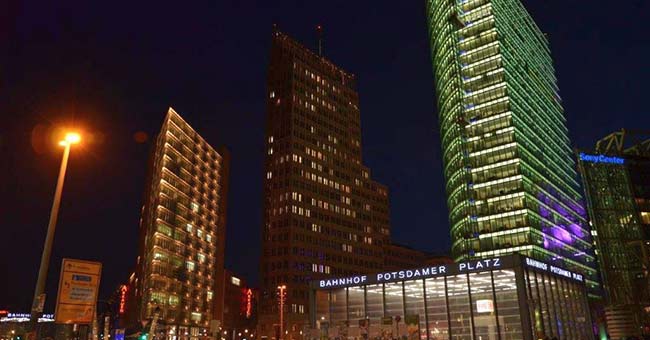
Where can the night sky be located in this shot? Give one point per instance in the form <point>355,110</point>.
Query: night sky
<point>112,69</point>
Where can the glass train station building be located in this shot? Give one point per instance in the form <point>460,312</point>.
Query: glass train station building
<point>510,297</point>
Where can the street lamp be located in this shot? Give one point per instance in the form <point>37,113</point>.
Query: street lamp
<point>282,293</point>
<point>39,299</point>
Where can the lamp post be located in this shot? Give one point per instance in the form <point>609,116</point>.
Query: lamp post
<point>37,306</point>
<point>282,293</point>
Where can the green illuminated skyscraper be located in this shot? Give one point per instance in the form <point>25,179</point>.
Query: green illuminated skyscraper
<point>510,176</point>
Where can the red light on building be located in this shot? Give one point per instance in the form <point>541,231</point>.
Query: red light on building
<point>249,303</point>
<point>123,290</point>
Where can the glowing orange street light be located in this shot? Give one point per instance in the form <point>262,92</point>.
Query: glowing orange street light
<point>70,138</point>
<point>282,293</point>
<point>39,297</point>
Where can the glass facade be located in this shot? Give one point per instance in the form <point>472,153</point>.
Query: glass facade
<point>616,183</point>
<point>616,224</point>
<point>516,301</point>
<point>510,176</point>
<point>557,307</point>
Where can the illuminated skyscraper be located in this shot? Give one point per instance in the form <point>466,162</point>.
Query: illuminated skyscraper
<point>617,182</point>
<point>511,180</point>
<point>323,214</point>
<point>180,267</point>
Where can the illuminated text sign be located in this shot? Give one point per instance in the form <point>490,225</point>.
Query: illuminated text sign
<point>123,290</point>
<point>342,282</point>
<point>411,274</point>
<point>601,159</point>
<point>249,303</point>
<point>553,269</point>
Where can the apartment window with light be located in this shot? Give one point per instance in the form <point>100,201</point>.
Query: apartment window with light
<point>196,316</point>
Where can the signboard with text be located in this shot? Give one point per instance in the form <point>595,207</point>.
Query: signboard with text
<point>413,274</point>
<point>443,270</point>
<point>553,269</point>
<point>78,289</point>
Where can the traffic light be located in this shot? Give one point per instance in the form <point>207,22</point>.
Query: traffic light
<point>143,336</point>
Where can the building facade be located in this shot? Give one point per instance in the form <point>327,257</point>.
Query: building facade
<point>323,214</point>
<point>398,256</point>
<point>179,273</point>
<point>511,181</point>
<point>510,297</point>
<point>617,184</point>
<point>240,308</point>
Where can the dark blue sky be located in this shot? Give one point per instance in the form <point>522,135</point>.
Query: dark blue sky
<point>114,68</point>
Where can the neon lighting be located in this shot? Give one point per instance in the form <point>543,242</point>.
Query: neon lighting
<point>498,181</point>
<point>601,159</point>
<point>249,303</point>
<point>123,290</point>
<point>504,232</point>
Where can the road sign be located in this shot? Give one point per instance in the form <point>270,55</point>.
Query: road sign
<point>78,289</point>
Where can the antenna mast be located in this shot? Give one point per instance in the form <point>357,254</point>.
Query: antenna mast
<point>319,32</point>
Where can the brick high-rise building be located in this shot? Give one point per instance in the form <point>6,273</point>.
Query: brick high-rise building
<point>180,265</point>
<point>323,214</point>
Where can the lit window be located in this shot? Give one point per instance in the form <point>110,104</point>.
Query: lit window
<point>209,295</point>
<point>208,238</point>
<point>272,94</point>
<point>645,217</point>
<point>190,265</point>
<point>189,228</point>
<point>173,300</point>
<point>199,233</point>
<point>196,316</point>
<point>236,281</point>
<point>201,258</point>
<point>194,206</point>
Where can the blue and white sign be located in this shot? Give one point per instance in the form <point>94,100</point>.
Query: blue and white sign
<point>553,269</point>
<point>601,159</point>
<point>411,274</point>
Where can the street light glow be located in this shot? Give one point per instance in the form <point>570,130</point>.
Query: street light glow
<point>70,138</point>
